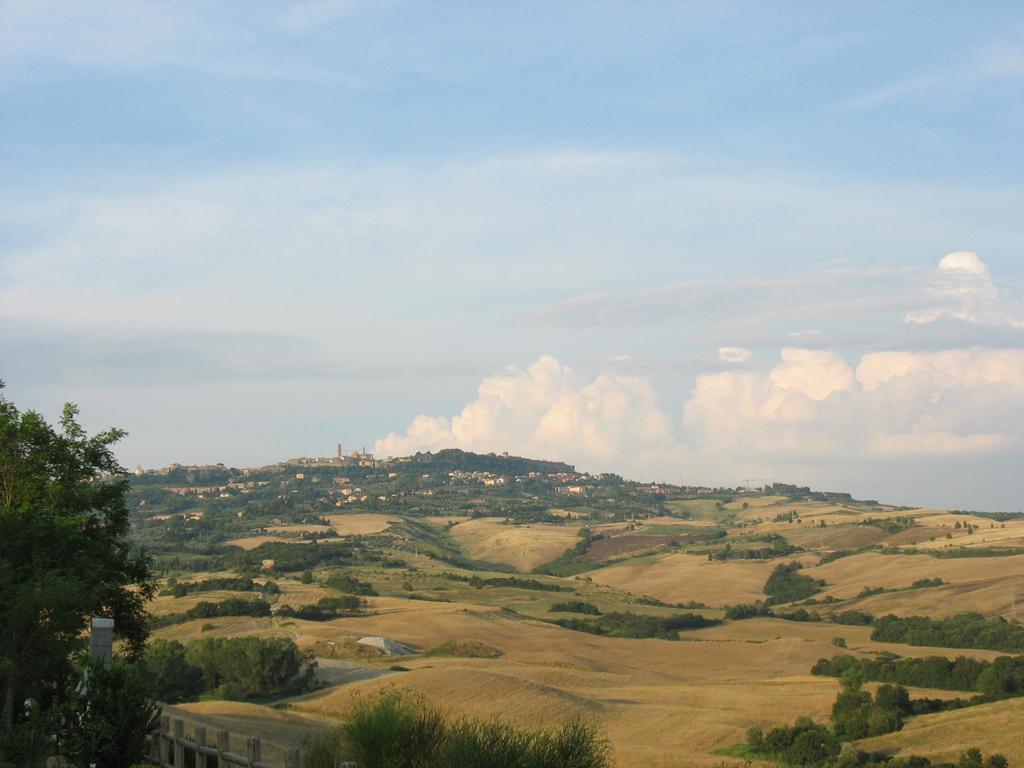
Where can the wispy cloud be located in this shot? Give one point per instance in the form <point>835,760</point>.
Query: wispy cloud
<point>992,64</point>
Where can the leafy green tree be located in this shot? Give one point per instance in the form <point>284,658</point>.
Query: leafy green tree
<point>169,675</point>
<point>64,554</point>
<point>109,716</point>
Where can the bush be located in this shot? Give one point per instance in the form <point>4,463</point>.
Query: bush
<point>325,609</point>
<point>350,585</point>
<point>110,716</point>
<point>748,611</point>
<point>168,674</point>
<point>966,630</point>
<point>634,625</point>
<point>233,606</point>
<point>397,730</point>
<point>251,667</point>
<point>1000,678</point>
<point>786,584</point>
<point>576,606</point>
<point>392,730</point>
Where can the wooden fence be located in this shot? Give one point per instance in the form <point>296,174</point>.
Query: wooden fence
<point>168,748</point>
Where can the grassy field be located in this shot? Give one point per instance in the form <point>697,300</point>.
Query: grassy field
<point>662,703</point>
<point>680,578</point>
<point>943,736</point>
<point>522,547</point>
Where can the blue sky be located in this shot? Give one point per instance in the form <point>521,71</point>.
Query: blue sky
<point>676,240</point>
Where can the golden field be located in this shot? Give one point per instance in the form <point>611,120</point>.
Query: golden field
<point>661,703</point>
<point>523,547</point>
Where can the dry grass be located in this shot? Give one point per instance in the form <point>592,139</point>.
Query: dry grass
<point>444,520</point>
<point>662,703</point>
<point>523,547</point>
<point>680,578</point>
<point>277,730</point>
<point>943,736</point>
<point>298,528</point>
<point>360,524</point>
<point>251,542</point>
<point>984,584</point>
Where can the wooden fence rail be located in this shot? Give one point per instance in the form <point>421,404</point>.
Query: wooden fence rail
<point>169,745</point>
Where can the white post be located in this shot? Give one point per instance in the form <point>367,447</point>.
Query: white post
<point>101,641</point>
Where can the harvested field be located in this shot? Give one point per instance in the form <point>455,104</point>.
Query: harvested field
<point>943,736</point>
<point>523,547</point>
<point>360,524</point>
<point>680,578</point>
<point>618,546</point>
<point>251,542</point>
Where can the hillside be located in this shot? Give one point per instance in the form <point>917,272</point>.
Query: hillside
<point>539,593</point>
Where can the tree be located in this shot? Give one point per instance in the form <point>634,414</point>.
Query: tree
<point>168,673</point>
<point>109,716</point>
<point>64,554</point>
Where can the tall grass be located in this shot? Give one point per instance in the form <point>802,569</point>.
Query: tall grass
<point>394,729</point>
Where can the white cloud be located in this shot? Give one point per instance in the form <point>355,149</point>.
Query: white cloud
<point>547,411</point>
<point>813,405</point>
<point>734,354</point>
<point>962,288</point>
<point>810,417</point>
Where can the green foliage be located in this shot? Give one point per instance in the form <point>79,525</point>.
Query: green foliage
<point>516,583</point>
<point>853,618</point>
<point>966,630</point>
<point>289,558</point>
<point>64,553</point>
<point>999,678</point>
<point>576,606</point>
<point>464,649</point>
<point>786,584</point>
<point>326,608</point>
<point>344,582</point>
<point>856,716</point>
<point>925,583</point>
<point>232,583</point>
<point>232,606</point>
<point>168,673</point>
<point>574,559</point>
<point>805,744</point>
<point>251,667</point>
<point>109,716</point>
<point>634,625</point>
<point>394,729</point>
<point>748,611</point>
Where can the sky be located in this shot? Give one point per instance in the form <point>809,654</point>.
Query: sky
<point>701,243</point>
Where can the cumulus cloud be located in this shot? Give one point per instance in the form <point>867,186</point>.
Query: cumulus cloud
<point>813,404</point>
<point>962,288</point>
<point>808,416</point>
<point>734,354</point>
<point>546,410</point>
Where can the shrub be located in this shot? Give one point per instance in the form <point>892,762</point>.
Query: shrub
<point>110,716</point>
<point>249,667</point>
<point>966,630</point>
<point>576,606</point>
<point>634,625</point>
<point>786,584</point>
<point>325,609</point>
<point>169,675</point>
<point>394,729</point>
<point>350,585</point>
